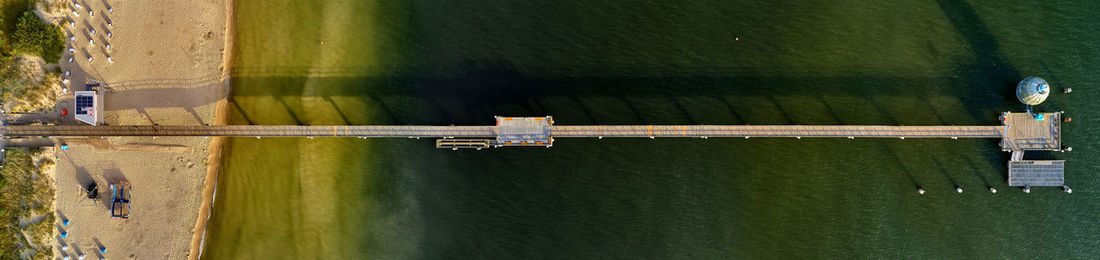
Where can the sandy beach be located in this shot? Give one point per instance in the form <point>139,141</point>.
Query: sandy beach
<point>167,67</point>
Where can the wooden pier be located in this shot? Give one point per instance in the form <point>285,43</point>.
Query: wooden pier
<point>1019,132</point>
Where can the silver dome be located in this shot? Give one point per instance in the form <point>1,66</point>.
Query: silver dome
<point>1032,90</point>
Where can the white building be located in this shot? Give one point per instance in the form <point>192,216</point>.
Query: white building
<point>87,107</point>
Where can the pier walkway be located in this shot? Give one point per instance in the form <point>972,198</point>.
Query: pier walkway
<point>489,131</point>
<point>1019,132</point>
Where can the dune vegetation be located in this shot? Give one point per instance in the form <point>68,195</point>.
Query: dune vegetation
<point>26,188</point>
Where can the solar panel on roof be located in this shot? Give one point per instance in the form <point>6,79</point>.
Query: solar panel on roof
<point>83,103</point>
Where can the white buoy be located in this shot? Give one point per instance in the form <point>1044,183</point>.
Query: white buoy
<point>1027,189</point>
<point>954,138</point>
<point>992,189</point>
<point>851,137</point>
<point>902,138</point>
<point>798,137</point>
<point>746,137</point>
<point>959,189</point>
<point>652,137</point>
<point>920,191</point>
<point>1067,189</point>
<point>599,137</point>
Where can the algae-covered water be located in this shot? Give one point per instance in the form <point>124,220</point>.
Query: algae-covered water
<point>653,62</point>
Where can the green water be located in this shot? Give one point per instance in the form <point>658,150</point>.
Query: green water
<point>653,62</point>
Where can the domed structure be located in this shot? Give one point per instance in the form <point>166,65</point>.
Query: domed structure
<point>1032,91</point>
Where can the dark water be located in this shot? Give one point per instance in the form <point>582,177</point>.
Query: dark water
<point>653,62</point>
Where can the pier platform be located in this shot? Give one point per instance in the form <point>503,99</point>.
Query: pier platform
<point>1036,173</point>
<point>1032,131</point>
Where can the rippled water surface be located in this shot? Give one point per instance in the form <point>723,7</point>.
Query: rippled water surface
<point>653,62</point>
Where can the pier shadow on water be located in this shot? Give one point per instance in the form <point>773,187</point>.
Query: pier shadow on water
<point>664,198</point>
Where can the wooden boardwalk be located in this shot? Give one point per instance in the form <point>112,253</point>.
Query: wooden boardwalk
<point>853,131</point>
<point>557,131</point>
<point>251,130</point>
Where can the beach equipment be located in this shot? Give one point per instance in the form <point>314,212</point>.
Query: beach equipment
<point>120,200</point>
<point>92,190</point>
<point>92,31</point>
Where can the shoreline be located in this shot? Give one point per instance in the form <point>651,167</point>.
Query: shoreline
<point>214,149</point>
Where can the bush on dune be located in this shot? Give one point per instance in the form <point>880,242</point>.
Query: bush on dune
<point>35,37</point>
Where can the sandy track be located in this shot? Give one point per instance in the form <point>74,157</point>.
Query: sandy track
<point>167,69</point>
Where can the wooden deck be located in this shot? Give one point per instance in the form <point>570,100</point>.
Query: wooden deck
<point>1023,132</point>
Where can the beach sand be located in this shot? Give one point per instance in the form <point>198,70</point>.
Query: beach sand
<point>168,69</point>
